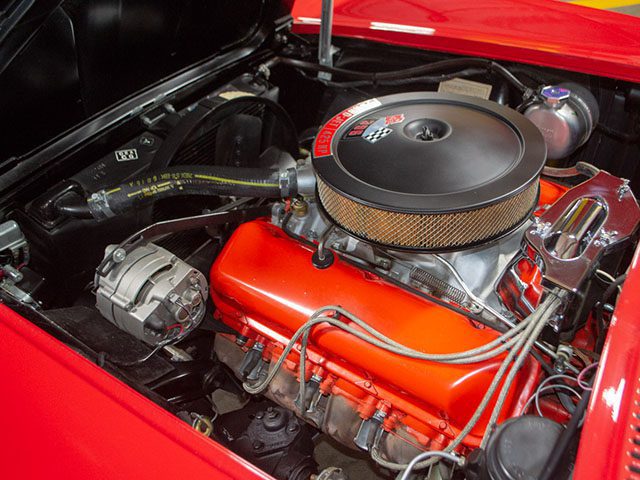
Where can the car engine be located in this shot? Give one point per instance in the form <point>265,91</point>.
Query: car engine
<point>421,271</point>
<point>389,222</point>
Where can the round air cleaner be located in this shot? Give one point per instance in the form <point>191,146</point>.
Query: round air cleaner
<point>428,171</point>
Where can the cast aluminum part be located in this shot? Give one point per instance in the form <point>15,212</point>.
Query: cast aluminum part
<point>566,117</point>
<point>467,277</point>
<point>149,291</point>
<point>305,178</point>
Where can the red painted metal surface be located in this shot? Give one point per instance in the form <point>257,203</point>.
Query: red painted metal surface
<point>266,287</point>
<point>539,32</point>
<point>550,192</point>
<point>64,417</point>
<point>611,436</point>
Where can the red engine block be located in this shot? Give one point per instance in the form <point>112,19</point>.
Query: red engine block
<point>265,287</point>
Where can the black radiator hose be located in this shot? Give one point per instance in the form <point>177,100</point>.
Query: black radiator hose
<point>183,180</point>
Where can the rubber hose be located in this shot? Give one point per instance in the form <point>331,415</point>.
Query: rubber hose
<point>75,207</point>
<point>566,440</point>
<point>608,293</point>
<point>434,67</point>
<point>469,72</point>
<point>185,180</point>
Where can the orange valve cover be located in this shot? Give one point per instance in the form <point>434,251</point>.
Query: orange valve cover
<point>265,287</point>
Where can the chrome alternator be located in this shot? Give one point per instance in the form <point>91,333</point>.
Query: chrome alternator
<point>151,294</point>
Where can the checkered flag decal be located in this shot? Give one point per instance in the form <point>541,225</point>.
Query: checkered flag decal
<point>379,134</point>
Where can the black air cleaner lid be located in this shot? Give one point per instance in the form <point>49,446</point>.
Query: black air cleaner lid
<point>428,153</point>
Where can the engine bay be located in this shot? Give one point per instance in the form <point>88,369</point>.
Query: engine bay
<point>357,271</point>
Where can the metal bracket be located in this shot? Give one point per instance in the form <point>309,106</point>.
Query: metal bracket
<point>178,225</point>
<point>590,220</point>
<point>324,45</point>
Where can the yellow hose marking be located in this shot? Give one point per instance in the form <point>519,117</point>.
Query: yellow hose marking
<point>236,182</point>
<point>151,190</point>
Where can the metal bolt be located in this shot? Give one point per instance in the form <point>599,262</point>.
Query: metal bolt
<point>292,428</point>
<point>559,366</point>
<point>367,384</point>
<point>272,415</point>
<point>565,352</point>
<point>257,445</point>
<point>147,141</point>
<point>475,308</point>
<point>606,238</point>
<point>118,255</point>
<point>442,425</point>
<point>426,134</point>
<point>259,415</point>
<point>623,189</point>
<point>383,263</point>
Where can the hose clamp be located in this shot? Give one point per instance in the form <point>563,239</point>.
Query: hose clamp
<point>287,182</point>
<point>99,205</point>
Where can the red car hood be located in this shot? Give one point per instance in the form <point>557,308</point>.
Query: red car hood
<point>541,32</point>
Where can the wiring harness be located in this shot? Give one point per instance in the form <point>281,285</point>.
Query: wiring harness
<point>518,341</point>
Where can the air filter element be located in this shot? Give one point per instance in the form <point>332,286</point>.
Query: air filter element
<point>428,171</point>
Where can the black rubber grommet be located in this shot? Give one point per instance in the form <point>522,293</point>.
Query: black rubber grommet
<point>324,262</point>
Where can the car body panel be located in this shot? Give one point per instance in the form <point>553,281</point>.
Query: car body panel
<point>610,446</point>
<point>540,32</point>
<point>64,417</point>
